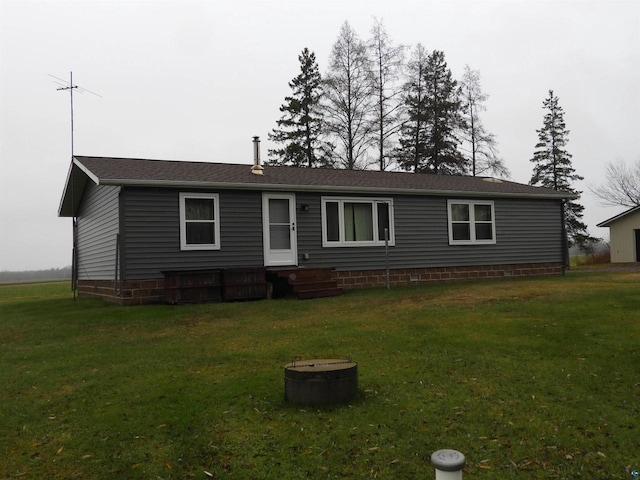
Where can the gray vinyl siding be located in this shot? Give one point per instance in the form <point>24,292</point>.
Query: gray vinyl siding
<point>527,231</point>
<point>97,233</point>
<point>151,233</point>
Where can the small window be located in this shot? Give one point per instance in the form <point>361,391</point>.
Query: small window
<point>356,222</point>
<point>199,221</point>
<point>471,222</point>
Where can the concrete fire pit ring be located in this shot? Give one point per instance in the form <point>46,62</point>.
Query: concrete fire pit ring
<point>321,381</point>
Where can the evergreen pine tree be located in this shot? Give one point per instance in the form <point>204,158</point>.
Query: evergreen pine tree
<point>299,128</point>
<point>444,109</point>
<point>553,169</point>
<point>428,142</point>
<point>411,154</point>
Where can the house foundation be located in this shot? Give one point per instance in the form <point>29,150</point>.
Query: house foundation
<point>131,292</point>
<point>141,292</point>
<point>413,276</point>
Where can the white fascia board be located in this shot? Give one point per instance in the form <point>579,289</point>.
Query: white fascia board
<point>609,221</point>
<point>68,182</point>
<point>86,171</point>
<point>64,190</point>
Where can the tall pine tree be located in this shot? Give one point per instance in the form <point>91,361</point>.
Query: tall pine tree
<point>299,128</point>
<point>444,118</point>
<point>428,141</point>
<point>553,169</point>
<point>411,154</point>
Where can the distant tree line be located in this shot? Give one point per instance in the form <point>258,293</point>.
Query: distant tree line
<point>36,275</point>
<point>374,110</point>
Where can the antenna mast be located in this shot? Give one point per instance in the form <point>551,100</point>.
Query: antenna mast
<point>74,259</point>
<point>70,87</point>
<point>64,85</point>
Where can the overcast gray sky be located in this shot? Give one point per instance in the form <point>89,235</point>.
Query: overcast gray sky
<point>195,80</point>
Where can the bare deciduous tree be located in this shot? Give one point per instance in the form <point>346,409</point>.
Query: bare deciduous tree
<point>386,64</point>
<point>348,99</point>
<point>621,186</point>
<point>480,146</point>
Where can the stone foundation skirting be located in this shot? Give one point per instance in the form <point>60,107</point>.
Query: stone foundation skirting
<point>131,292</point>
<point>141,292</point>
<point>411,276</point>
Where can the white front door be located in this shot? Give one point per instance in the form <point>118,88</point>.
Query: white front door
<point>279,229</point>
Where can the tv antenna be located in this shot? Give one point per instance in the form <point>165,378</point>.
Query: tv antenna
<point>70,87</point>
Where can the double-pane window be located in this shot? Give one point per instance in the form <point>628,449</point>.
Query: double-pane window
<point>471,222</point>
<point>199,221</point>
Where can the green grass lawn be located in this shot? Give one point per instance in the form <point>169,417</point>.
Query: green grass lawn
<point>535,379</point>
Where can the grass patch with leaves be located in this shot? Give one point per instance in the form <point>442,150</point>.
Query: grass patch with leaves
<point>529,379</point>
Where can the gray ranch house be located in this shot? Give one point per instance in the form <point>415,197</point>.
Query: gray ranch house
<point>150,231</point>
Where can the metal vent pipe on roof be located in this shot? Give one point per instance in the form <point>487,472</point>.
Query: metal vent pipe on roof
<point>256,169</point>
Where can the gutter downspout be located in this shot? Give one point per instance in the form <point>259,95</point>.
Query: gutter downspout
<point>121,246</point>
<point>116,280</point>
<point>74,254</point>
<point>565,239</point>
<point>74,235</point>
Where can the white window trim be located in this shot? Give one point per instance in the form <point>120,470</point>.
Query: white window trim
<point>367,243</point>
<point>183,231</point>
<point>472,222</point>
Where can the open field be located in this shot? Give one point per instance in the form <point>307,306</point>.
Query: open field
<point>535,379</point>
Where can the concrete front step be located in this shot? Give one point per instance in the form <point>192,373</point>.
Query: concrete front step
<point>325,292</point>
<point>305,275</point>
<point>313,285</point>
<point>309,282</point>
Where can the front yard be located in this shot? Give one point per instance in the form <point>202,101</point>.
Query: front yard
<point>531,379</point>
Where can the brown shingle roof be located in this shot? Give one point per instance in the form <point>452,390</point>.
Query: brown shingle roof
<point>129,171</point>
<point>137,171</point>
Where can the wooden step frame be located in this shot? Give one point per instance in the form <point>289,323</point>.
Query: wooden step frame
<point>306,283</point>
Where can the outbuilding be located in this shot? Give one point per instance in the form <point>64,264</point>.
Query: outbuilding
<point>144,228</point>
<point>624,236</point>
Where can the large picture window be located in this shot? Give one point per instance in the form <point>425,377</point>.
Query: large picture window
<point>199,221</point>
<point>356,221</point>
<point>471,222</point>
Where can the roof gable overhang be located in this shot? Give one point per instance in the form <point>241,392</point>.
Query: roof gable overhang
<point>620,216</point>
<point>74,186</point>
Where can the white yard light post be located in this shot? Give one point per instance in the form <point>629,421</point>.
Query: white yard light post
<point>448,464</point>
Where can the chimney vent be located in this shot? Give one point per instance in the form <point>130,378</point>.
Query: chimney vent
<point>256,169</point>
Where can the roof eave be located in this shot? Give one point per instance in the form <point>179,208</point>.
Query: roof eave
<point>64,191</point>
<point>609,221</point>
<point>86,171</point>
<point>328,188</point>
